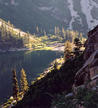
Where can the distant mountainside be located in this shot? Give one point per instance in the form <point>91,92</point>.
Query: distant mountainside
<point>12,39</point>
<point>80,15</point>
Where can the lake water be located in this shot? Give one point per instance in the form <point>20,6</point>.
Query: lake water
<point>33,63</point>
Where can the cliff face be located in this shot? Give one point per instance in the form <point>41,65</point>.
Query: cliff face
<point>91,44</point>
<point>89,71</point>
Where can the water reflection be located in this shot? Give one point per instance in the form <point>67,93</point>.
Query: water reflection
<point>32,62</point>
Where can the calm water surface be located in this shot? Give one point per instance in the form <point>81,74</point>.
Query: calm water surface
<point>33,63</point>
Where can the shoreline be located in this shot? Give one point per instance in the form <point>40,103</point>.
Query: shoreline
<point>16,49</point>
<point>55,47</point>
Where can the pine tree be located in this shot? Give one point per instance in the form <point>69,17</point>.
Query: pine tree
<point>2,31</point>
<point>19,34</point>
<point>23,81</point>
<point>78,45</point>
<point>55,30</point>
<point>67,50</point>
<point>45,33</point>
<point>63,31</point>
<point>28,36</point>
<point>9,24</point>
<point>58,30</point>
<point>55,65</point>
<point>15,85</point>
<point>37,29</point>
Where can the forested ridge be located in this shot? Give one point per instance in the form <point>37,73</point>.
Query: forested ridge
<point>11,37</point>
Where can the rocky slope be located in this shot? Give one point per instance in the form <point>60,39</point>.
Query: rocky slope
<point>79,15</point>
<point>89,71</point>
<point>85,88</point>
<point>48,85</point>
<point>42,92</point>
<point>87,76</point>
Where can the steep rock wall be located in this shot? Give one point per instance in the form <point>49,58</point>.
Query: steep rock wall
<point>89,71</point>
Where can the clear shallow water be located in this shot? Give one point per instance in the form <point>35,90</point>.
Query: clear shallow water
<point>33,63</point>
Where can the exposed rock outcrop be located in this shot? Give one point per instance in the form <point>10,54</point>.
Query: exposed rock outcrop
<point>89,72</point>
<point>91,44</point>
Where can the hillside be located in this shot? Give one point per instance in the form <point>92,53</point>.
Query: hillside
<point>84,92</point>
<point>71,14</point>
<point>12,38</point>
<point>61,80</point>
<point>43,90</point>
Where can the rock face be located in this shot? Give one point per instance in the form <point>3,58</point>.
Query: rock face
<point>89,71</point>
<point>91,44</point>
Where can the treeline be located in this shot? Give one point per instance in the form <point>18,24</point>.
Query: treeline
<point>68,34</point>
<point>8,39</point>
<point>61,35</point>
<point>62,32</point>
<point>11,37</point>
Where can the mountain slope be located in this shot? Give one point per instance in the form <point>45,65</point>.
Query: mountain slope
<point>12,38</point>
<point>43,90</point>
<point>69,76</point>
<point>72,14</point>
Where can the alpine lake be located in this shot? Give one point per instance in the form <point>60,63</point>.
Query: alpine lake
<point>33,62</point>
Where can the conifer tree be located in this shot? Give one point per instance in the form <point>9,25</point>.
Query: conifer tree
<point>19,34</point>
<point>28,36</point>
<point>9,23</point>
<point>58,30</point>
<point>23,81</point>
<point>37,29</point>
<point>78,45</point>
<point>63,30</point>
<point>55,65</point>
<point>55,30</point>
<point>2,31</point>
<point>15,85</point>
<point>67,50</point>
<point>45,33</point>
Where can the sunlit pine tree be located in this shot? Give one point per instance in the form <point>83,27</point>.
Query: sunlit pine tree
<point>37,29</point>
<point>45,33</point>
<point>23,82</point>
<point>67,50</point>
<point>58,30</point>
<point>55,30</point>
<point>15,85</point>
